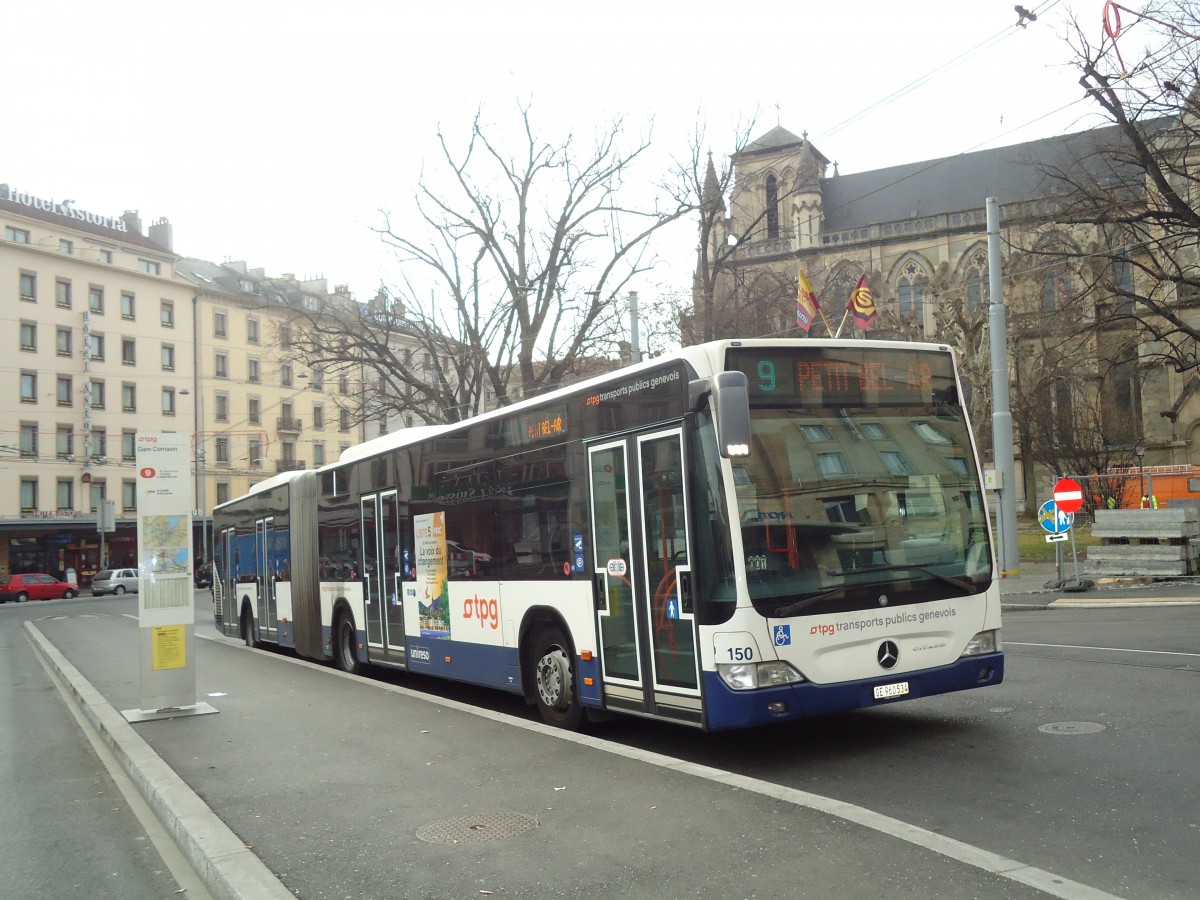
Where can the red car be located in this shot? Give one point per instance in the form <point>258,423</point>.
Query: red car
<point>34,587</point>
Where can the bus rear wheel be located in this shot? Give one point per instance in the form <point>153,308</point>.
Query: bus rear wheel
<point>345,646</point>
<point>247,628</point>
<point>552,662</point>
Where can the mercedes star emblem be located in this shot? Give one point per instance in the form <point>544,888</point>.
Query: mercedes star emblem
<point>888,654</point>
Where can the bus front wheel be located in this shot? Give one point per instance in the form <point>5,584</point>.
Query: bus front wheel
<point>554,680</point>
<point>346,646</point>
<point>247,628</point>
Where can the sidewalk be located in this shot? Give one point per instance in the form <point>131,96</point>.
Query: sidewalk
<point>320,784</point>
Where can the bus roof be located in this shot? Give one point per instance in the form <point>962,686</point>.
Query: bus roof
<point>704,358</point>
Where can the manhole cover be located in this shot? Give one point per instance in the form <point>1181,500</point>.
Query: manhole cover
<point>1071,728</point>
<point>473,829</point>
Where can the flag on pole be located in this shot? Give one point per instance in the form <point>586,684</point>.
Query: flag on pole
<point>806,303</point>
<point>862,305</point>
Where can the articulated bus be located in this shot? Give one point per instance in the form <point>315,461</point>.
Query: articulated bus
<point>740,533</point>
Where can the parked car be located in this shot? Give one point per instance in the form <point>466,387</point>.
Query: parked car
<point>34,587</point>
<point>115,581</point>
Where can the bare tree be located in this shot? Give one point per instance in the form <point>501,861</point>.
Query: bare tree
<point>525,254</point>
<point>1136,186</point>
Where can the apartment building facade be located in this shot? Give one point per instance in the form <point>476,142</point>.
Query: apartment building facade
<point>100,346</point>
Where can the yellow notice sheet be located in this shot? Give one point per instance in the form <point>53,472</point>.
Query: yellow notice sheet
<point>169,644</point>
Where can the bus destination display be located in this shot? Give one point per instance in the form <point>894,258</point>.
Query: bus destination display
<point>840,377</point>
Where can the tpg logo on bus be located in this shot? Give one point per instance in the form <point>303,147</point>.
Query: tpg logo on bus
<point>617,568</point>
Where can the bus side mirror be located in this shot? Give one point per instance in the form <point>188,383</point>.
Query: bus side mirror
<point>730,399</point>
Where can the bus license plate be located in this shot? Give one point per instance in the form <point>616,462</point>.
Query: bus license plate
<point>883,691</point>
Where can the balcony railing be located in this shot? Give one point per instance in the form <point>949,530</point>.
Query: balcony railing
<point>287,423</point>
<point>289,465</point>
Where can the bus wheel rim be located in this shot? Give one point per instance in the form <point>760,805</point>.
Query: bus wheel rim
<point>554,678</point>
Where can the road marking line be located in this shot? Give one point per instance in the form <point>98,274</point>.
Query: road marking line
<point>1113,649</point>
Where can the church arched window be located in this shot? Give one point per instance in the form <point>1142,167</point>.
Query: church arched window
<point>772,207</point>
<point>911,290</point>
<point>975,277</point>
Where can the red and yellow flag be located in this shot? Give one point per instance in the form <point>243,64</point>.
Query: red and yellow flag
<point>862,305</point>
<point>806,303</point>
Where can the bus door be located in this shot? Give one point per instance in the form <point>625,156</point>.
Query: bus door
<point>642,576</point>
<point>381,570</point>
<point>268,613</point>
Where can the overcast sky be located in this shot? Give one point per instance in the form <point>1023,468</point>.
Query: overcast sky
<point>274,132</point>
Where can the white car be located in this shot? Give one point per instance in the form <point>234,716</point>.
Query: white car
<point>115,581</point>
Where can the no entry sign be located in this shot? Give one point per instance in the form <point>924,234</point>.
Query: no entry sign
<point>1068,495</point>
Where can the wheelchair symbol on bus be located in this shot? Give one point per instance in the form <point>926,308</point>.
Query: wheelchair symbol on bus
<point>783,635</point>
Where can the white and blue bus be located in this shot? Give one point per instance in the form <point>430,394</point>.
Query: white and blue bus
<point>740,533</point>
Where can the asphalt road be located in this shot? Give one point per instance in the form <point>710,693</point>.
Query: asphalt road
<point>1082,763</point>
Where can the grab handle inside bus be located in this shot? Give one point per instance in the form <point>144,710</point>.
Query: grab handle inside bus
<point>730,399</point>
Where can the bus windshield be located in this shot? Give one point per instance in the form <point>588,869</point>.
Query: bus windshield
<point>861,490</point>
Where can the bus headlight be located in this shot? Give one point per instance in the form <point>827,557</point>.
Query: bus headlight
<point>984,642</point>
<point>748,676</point>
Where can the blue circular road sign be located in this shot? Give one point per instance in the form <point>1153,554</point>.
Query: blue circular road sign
<point>1054,520</point>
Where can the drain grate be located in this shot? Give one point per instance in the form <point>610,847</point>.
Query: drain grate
<point>474,829</point>
<point>1071,728</point>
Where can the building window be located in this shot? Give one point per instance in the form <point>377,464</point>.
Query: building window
<point>316,379</point>
<point>62,294</point>
<point>16,235</point>
<point>167,314</point>
<point>254,410</point>
<point>128,352</point>
<point>28,335</point>
<point>343,383</point>
<point>874,431</point>
<point>65,246</point>
<point>254,452</point>
<point>149,266</point>
<point>285,336</point>
<point>28,286</point>
<point>772,207</point>
<point>220,328</point>
<point>895,462</point>
<point>97,391</point>
<point>318,449</point>
<point>222,413</point>
<point>65,494</point>
<point>64,390</point>
<point>252,330</point>
<point>127,303</point>
<point>29,387</point>
<point>168,401</point>
<point>221,364</point>
<point>222,447</point>
<point>285,374</point>
<point>911,292</point>
<point>318,417</point>
<point>62,341</point>
<point>128,397</point>
<point>222,492</point>
<point>97,494</point>
<point>344,420</point>
<point>106,257</point>
<point>64,442</point>
<point>129,496</point>
<point>29,495</point>
<point>816,432</point>
<point>168,357</point>
<point>96,346</point>
<point>929,434</point>
<point>99,443</point>
<point>253,371</point>
<point>29,440</point>
<point>96,300</point>
<point>831,464</point>
<point>978,294</point>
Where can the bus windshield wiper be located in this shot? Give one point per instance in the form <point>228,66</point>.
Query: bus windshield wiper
<point>963,585</point>
<point>792,608</point>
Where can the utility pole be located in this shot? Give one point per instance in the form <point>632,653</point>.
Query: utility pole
<point>1002,429</point>
<point>635,348</point>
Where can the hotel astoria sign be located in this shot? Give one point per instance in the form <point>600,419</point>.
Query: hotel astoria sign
<point>64,209</point>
